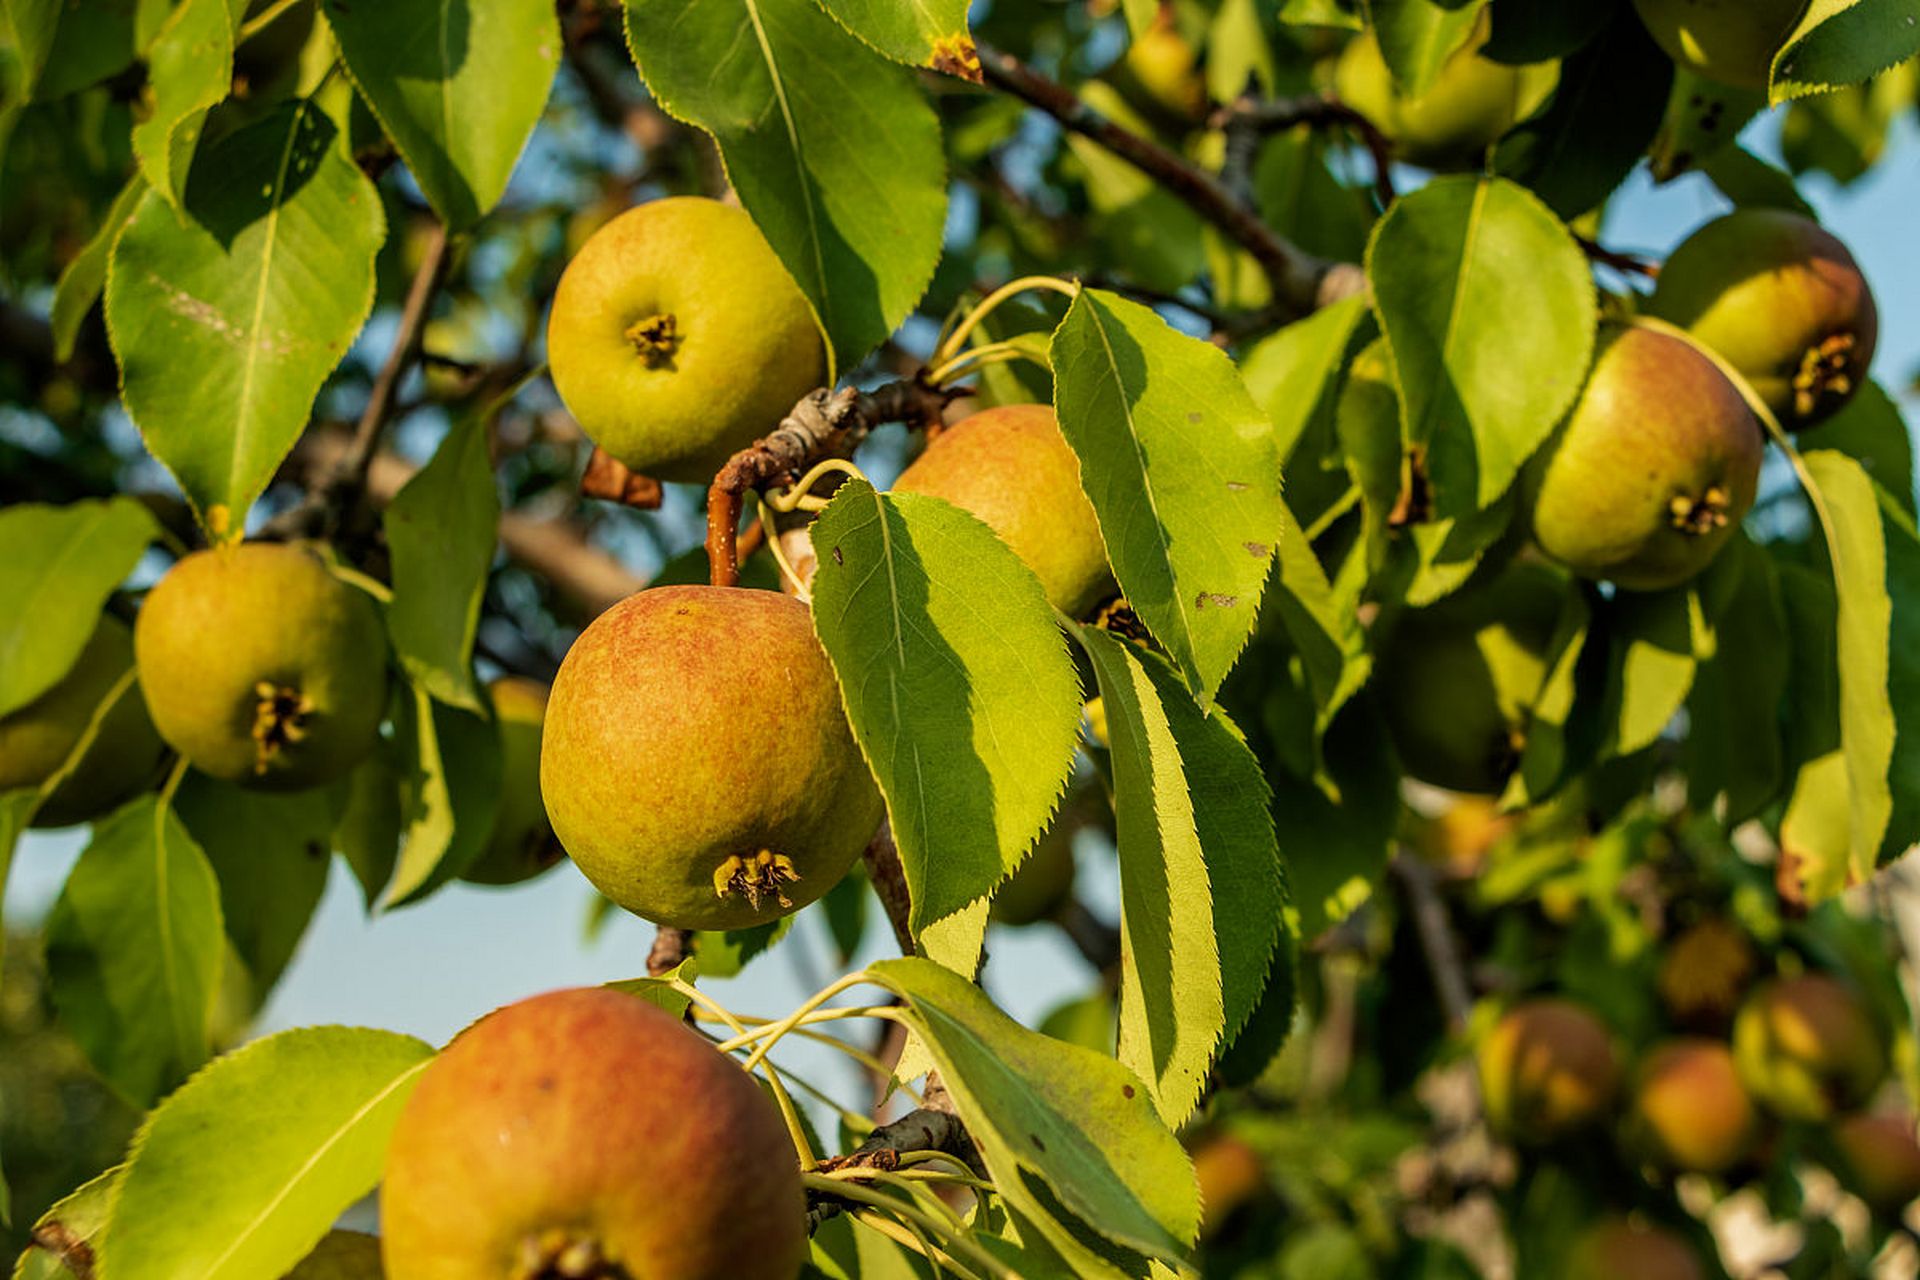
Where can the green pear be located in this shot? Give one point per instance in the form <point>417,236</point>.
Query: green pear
<point>1468,107</point>
<point>1011,467</point>
<point>1547,1070</point>
<point>1807,1048</point>
<point>589,1135</point>
<point>522,844</point>
<point>37,739</point>
<point>1458,679</point>
<point>1621,1250</point>
<point>1653,470</point>
<point>696,760</point>
<point>677,338</point>
<point>1782,301</point>
<point>1690,1111</point>
<point>1729,41</point>
<point>261,667</point>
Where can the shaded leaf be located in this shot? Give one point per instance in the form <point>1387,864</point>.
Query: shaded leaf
<point>1734,723</point>
<point>85,274</point>
<point>189,71</point>
<point>226,322</point>
<point>452,759</point>
<point>1842,42</point>
<point>1418,36</point>
<point>58,565</point>
<point>242,1171</point>
<point>457,84</point>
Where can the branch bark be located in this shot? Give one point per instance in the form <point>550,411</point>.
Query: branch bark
<point>1437,943</point>
<point>1301,282</point>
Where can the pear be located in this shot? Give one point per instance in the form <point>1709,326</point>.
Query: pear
<point>696,759</point>
<point>1782,301</point>
<point>1547,1070</point>
<point>1653,470</point>
<point>1879,1159</point>
<point>1617,1249</point>
<point>1807,1048</point>
<point>522,844</point>
<point>1160,76</point>
<point>1458,679</point>
<point>1470,104</point>
<point>1690,1109</point>
<point>1011,467</point>
<point>677,338</point>
<point>261,667</point>
<point>591,1135</point>
<point>1728,41</point>
<point>36,739</point>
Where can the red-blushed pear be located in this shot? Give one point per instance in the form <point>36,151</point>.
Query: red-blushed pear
<point>522,844</point>
<point>261,667</point>
<point>1690,1109</point>
<point>1781,300</point>
<point>124,755</point>
<point>1459,678</point>
<point>1469,105</point>
<point>589,1135</point>
<point>1808,1048</point>
<point>1728,41</point>
<point>1618,1249</point>
<point>696,759</point>
<point>1547,1070</point>
<point>1879,1159</point>
<point>677,338</point>
<point>1654,469</point>
<point>1011,467</point>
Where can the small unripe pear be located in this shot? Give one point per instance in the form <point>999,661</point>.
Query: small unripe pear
<point>1470,104</point>
<point>677,338</point>
<point>1781,300</point>
<point>1041,885</point>
<point>1160,76</point>
<point>522,844</point>
<point>1458,679</point>
<point>1807,1048</point>
<point>1622,1250</point>
<point>1879,1159</point>
<point>1547,1070</point>
<point>589,1135</point>
<point>1728,41</point>
<point>1654,469</point>
<point>696,760</point>
<point>261,667</point>
<point>1690,1108</point>
<point>37,739</point>
<point>1011,467</point>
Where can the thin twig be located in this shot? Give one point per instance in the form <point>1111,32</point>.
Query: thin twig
<point>1437,943</point>
<point>1623,262</point>
<point>1317,111</point>
<point>406,345</point>
<point>1300,281</point>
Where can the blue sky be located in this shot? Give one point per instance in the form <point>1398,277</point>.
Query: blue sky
<point>432,968</point>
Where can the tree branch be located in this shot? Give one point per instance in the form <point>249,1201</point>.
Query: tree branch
<point>1318,111</point>
<point>1301,282</point>
<point>670,947</point>
<point>1437,942</point>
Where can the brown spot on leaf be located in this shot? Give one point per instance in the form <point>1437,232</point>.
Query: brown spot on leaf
<point>837,557</point>
<point>1215,599</point>
<point>956,56</point>
<point>1038,1145</point>
<point>1126,1091</point>
<point>1196,418</point>
<point>1258,550</point>
<point>1236,486</point>
<point>75,1254</point>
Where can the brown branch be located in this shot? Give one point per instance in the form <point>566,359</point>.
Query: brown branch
<point>1301,282</point>
<point>1623,262</point>
<point>1098,942</point>
<point>890,883</point>
<point>609,478</point>
<point>1316,111</point>
<point>1437,943</point>
<point>824,424</point>
<point>670,947</point>
<point>931,1127</point>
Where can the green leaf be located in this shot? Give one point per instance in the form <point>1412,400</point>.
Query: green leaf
<point>457,84</point>
<point>724,953</point>
<point>189,72</point>
<point>1871,431</point>
<point>1604,113</point>
<point>1299,197</point>
<point>227,322</point>
<point>1068,1134</point>
<point>1703,119</point>
<point>1876,572</point>
<point>58,565</point>
<point>1489,313</point>
<point>86,274</point>
<point>1734,723</point>
<point>134,950</point>
<point>1522,31</point>
<point>77,1219</point>
<point>660,990</point>
<point>441,528</point>
<point>957,683</point>
<point>1180,465</point>
<point>1335,836</point>
<point>924,33</point>
<point>1842,42</point>
<point>1751,182</point>
<point>1418,36</point>
<point>371,811</point>
<point>453,792</point>
<point>1658,640</point>
<point>1202,895</point>
<point>242,1171</point>
<point>830,147</point>
<point>1554,737</point>
<point>270,852</point>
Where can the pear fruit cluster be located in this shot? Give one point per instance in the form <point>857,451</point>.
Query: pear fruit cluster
<point>696,761</point>
<point>589,1134</point>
